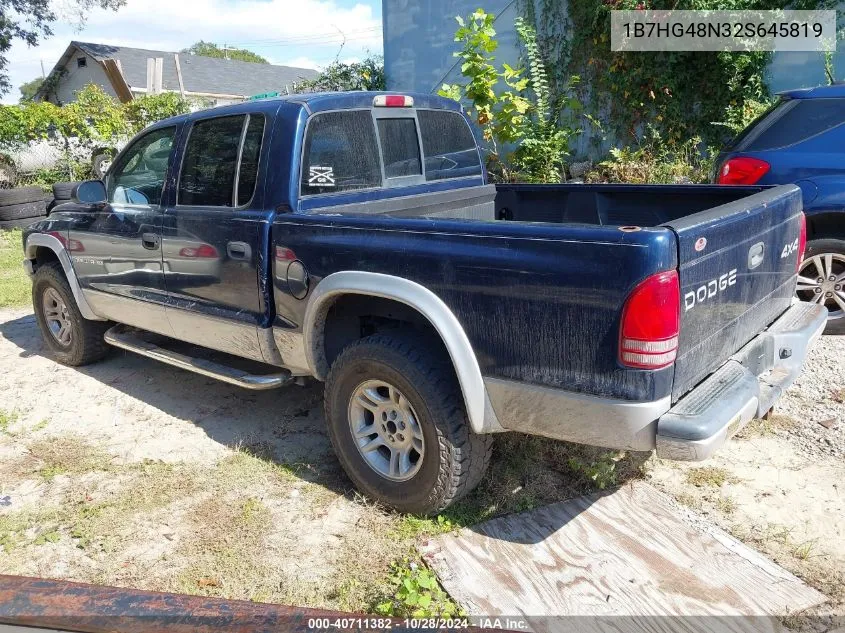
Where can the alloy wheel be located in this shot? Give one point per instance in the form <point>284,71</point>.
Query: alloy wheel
<point>57,316</point>
<point>821,280</point>
<point>386,430</point>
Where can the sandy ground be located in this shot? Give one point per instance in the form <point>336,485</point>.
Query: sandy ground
<point>162,427</point>
<point>780,485</point>
<point>134,473</point>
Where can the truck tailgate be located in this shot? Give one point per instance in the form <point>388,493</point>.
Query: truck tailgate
<point>737,274</point>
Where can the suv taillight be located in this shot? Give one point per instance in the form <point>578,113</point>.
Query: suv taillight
<point>651,322</point>
<point>802,241</point>
<point>742,170</point>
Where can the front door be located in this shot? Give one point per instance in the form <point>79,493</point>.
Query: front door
<point>116,251</point>
<point>211,238</point>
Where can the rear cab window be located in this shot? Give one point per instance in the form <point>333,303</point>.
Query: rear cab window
<point>340,153</point>
<point>788,122</point>
<point>384,148</point>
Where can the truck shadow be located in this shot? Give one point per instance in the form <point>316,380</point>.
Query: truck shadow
<point>286,426</point>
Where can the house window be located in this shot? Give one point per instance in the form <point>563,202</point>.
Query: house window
<point>81,62</point>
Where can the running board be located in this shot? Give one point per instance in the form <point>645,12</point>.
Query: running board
<point>130,340</point>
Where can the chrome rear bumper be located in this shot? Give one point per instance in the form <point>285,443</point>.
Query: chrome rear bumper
<point>745,387</point>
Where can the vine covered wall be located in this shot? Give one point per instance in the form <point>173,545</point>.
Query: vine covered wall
<point>676,95</point>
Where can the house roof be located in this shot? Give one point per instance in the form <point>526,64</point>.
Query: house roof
<point>208,75</point>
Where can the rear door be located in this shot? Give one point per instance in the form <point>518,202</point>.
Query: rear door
<point>211,238</point>
<point>738,267</point>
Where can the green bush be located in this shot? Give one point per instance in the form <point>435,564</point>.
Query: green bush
<point>94,116</point>
<point>513,107</point>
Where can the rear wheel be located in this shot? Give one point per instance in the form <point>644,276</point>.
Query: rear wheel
<point>397,422</point>
<point>821,279</point>
<point>72,339</point>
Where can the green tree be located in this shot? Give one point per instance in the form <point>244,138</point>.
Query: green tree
<point>364,75</point>
<point>210,49</point>
<point>29,89</point>
<point>30,21</point>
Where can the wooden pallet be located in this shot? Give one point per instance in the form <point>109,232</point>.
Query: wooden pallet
<point>633,552</point>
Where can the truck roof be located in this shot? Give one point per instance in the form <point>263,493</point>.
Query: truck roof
<point>318,102</point>
<point>819,92</point>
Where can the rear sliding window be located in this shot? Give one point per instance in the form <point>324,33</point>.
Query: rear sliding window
<point>448,145</point>
<point>789,122</point>
<point>341,153</point>
<point>400,147</point>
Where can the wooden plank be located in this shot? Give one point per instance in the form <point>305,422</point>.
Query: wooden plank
<point>114,72</point>
<point>633,552</point>
<point>179,75</point>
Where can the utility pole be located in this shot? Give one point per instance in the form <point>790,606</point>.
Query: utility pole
<point>43,74</point>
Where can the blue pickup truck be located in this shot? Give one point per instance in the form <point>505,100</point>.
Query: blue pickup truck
<point>354,238</point>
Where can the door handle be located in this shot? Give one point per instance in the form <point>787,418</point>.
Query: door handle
<point>239,250</point>
<point>150,241</point>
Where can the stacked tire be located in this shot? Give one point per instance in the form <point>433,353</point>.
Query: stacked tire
<point>21,207</point>
<point>62,192</point>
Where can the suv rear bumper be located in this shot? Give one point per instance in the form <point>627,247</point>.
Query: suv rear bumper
<point>745,387</point>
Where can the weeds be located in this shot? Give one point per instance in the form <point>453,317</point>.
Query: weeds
<point>711,476</point>
<point>68,454</point>
<point>653,161</point>
<point>7,419</point>
<point>416,593</point>
<point>761,427</point>
<point>601,471</point>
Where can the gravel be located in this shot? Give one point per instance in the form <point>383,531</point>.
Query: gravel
<point>817,401</point>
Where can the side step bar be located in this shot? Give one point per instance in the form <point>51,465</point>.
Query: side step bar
<point>127,339</point>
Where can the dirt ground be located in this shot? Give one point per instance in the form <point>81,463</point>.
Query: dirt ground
<point>133,473</point>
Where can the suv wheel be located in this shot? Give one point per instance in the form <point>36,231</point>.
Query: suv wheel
<point>72,339</point>
<point>822,280</point>
<point>396,419</point>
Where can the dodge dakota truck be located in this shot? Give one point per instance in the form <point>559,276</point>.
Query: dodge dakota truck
<point>353,238</point>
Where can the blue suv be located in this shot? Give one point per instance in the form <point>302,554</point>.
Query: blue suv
<point>801,140</point>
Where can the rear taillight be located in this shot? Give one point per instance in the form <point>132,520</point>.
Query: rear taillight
<point>802,241</point>
<point>742,170</point>
<point>651,321</point>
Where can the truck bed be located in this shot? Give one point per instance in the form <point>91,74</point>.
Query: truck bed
<point>546,259</point>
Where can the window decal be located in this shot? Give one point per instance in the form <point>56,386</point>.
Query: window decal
<point>319,176</point>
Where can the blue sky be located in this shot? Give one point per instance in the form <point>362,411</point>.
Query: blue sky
<point>304,33</point>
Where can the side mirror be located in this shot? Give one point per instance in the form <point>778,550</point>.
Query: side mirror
<point>90,192</point>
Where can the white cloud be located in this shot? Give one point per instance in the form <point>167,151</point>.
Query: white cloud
<point>305,33</point>
<point>299,62</point>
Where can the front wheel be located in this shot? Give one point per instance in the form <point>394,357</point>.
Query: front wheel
<point>72,339</point>
<point>821,279</point>
<point>397,422</point>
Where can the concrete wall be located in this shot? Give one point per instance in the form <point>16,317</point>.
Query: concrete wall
<point>419,40</point>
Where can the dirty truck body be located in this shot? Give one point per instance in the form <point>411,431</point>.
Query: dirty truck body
<point>353,238</point>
